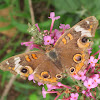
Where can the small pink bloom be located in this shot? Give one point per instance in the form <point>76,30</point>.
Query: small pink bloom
<point>76,76</point>
<point>40,84</point>
<point>92,61</point>
<point>63,26</point>
<point>96,79</point>
<point>74,96</point>
<point>58,35</point>
<point>81,76</point>
<point>31,77</point>
<point>89,83</point>
<point>89,51</point>
<point>52,16</point>
<point>30,44</point>
<point>38,27</point>
<point>45,31</point>
<point>60,84</point>
<point>34,46</point>
<point>48,40</point>
<point>44,92</point>
<point>50,87</point>
<point>27,43</point>
<point>88,93</point>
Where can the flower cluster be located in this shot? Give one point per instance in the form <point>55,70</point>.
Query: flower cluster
<point>46,37</point>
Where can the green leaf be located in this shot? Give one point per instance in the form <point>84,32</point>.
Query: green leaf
<point>24,86</point>
<point>20,26</point>
<point>33,96</point>
<point>4,76</point>
<point>3,6</point>
<point>45,25</point>
<point>22,97</point>
<point>67,5</point>
<point>6,27</point>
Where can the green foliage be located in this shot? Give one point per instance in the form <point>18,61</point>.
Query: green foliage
<point>71,11</point>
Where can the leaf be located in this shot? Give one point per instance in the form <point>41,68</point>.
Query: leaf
<point>21,97</point>
<point>3,6</point>
<point>33,96</point>
<point>20,26</point>
<point>4,76</point>
<point>67,5</point>
<point>6,27</point>
<point>24,86</point>
<point>45,25</point>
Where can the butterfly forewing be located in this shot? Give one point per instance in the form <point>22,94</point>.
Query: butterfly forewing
<point>72,47</point>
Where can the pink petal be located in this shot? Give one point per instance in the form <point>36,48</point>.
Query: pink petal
<point>67,26</point>
<point>52,14</point>
<point>40,84</point>
<point>30,77</point>
<point>37,27</point>
<point>44,92</point>
<point>52,41</point>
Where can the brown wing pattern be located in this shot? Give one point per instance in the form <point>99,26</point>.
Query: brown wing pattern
<point>72,47</point>
<point>69,53</point>
<point>23,64</point>
<point>35,62</point>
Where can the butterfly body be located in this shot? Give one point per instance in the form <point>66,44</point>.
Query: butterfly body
<point>70,54</point>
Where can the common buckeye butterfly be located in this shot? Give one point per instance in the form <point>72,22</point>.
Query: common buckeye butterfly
<point>70,54</point>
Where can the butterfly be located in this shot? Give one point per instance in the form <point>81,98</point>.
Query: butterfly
<point>69,55</point>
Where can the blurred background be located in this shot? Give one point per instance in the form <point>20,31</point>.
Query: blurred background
<point>14,18</point>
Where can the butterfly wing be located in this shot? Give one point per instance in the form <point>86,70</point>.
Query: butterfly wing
<point>72,47</point>
<point>34,62</point>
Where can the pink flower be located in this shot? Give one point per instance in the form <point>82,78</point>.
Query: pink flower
<point>88,94</point>
<point>37,27</point>
<point>96,79</point>
<point>45,92</point>
<point>57,34</point>
<point>48,40</point>
<point>52,16</point>
<point>81,76</point>
<point>30,44</point>
<point>63,26</point>
<point>50,87</point>
<point>60,84</point>
<point>89,83</point>
<point>45,31</point>
<point>92,61</point>
<point>74,96</point>
<point>40,84</point>
<point>31,77</point>
<point>89,51</point>
<point>27,43</point>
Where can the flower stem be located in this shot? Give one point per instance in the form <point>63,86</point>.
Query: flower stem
<point>96,53</point>
<point>51,26</point>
